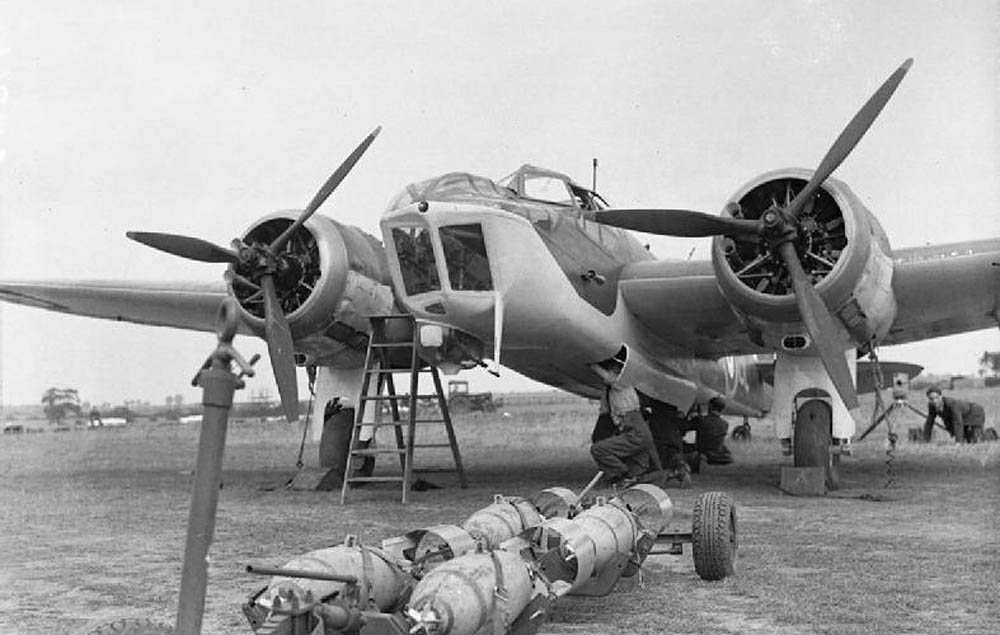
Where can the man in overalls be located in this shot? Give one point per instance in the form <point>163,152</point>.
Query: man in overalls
<point>628,454</point>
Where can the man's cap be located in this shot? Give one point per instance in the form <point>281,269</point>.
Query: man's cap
<point>717,403</point>
<point>933,389</point>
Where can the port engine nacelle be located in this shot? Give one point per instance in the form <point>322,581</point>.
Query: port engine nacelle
<point>332,277</point>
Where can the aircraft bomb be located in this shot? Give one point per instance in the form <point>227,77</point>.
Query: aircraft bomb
<point>499,572</point>
<point>348,565</point>
<point>462,596</point>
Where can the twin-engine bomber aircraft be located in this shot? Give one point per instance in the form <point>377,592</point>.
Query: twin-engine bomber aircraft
<point>538,272</point>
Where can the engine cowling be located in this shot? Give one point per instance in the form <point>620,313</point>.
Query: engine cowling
<point>841,246</point>
<point>330,277</point>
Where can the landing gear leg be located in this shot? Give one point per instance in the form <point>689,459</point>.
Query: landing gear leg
<point>812,439</point>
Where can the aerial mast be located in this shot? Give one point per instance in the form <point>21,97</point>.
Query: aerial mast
<point>593,186</point>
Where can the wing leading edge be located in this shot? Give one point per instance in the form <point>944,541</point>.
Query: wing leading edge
<point>192,306</point>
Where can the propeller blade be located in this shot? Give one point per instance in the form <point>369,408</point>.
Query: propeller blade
<point>675,222</point>
<point>849,138</point>
<point>281,348</point>
<point>821,327</point>
<point>185,247</point>
<point>325,191</point>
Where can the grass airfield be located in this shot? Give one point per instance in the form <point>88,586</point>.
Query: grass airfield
<point>93,523</point>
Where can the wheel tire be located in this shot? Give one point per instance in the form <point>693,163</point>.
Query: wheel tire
<point>336,438</point>
<point>812,439</point>
<point>741,433</point>
<point>713,536</point>
<point>132,626</point>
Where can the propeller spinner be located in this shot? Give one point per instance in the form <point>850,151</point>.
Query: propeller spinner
<point>255,267</point>
<point>778,227</point>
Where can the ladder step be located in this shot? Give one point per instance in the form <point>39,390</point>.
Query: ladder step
<point>401,422</point>
<point>388,371</point>
<point>375,451</point>
<point>391,345</point>
<point>375,479</point>
<point>395,397</point>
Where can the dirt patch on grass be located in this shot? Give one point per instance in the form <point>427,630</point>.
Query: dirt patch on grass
<point>92,527</point>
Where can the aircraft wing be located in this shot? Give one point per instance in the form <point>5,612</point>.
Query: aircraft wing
<point>680,302</point>
<point>944,292</point>
<point>190,305</point>
<point>939,290</point>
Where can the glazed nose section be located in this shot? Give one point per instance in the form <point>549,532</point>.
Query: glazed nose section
<point>445,269</point>
<point>470,269</point>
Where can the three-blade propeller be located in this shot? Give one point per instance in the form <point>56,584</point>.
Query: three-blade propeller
<point>277,331</point>
<point>777,226</point>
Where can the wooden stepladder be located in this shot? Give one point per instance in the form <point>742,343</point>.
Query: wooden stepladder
<point>384,359</point>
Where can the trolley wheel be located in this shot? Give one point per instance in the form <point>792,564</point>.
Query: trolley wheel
<point>132,626</point>
<point>713,534</point>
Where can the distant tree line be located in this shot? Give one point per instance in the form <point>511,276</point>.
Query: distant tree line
<point>989,367</point>
<point>60,403</point>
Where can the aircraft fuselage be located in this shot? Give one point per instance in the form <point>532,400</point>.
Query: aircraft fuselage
<point>461,246</point>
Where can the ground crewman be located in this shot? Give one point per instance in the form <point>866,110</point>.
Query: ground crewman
<point>629,454</point>
<point>965,420</point>
<point>710,434</point>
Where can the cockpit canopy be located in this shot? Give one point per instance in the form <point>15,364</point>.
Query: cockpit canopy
<point>547,186</point>
<point>527,183</point>
<point>454,187</point>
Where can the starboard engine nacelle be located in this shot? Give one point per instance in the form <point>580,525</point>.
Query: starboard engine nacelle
<point>332,277</point>
<point>842,248</point>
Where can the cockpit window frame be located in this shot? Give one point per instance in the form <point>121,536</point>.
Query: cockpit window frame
<point>433,284</point>
<point>473,252</point>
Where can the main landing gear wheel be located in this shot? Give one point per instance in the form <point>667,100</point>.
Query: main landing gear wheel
<point>812,439</point>
<point>713,536</point>
<point>132,627</point>
<point>335,440</point>
<point>741,432</point>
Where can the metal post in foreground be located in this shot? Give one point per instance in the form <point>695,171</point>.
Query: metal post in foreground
<point>218,383</point>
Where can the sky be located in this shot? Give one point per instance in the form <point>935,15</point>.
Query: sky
<point>198,118</point>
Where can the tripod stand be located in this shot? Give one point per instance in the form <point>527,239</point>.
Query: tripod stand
<point>899,403</point>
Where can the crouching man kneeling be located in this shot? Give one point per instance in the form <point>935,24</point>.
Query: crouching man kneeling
<point>629,455</point>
